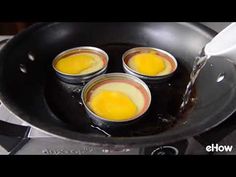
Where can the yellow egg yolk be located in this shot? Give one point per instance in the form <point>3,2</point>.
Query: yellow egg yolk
<point>147,63</point>
<point>82,63</point>
<point>113,105</point>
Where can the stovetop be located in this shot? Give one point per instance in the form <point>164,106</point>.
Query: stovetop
<point>19,138</point>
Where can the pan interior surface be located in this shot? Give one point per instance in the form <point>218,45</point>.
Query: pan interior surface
<point>30,89</point>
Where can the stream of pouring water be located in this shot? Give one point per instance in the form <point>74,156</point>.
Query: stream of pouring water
<point>198,64</point>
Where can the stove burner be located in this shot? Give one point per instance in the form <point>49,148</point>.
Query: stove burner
<point>178,148</point>
<point>165,150</point>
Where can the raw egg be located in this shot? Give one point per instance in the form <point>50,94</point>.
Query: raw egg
<point>116,101</point>
<point>116,97</point>
<point>149,63</point>
<point>82,63</point>
<point>119,106</point>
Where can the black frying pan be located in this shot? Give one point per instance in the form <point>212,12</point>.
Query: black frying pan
<point>29,88</point>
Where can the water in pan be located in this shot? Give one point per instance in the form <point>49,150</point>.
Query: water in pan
<point>64,100</point>
<point>198,64</point>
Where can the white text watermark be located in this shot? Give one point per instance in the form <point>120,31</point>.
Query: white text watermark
<point>219,148</point>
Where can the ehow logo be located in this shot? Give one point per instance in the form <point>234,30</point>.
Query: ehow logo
<point>219,148</point>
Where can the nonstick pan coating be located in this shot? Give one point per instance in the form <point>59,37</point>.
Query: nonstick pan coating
<point>24,81</point>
